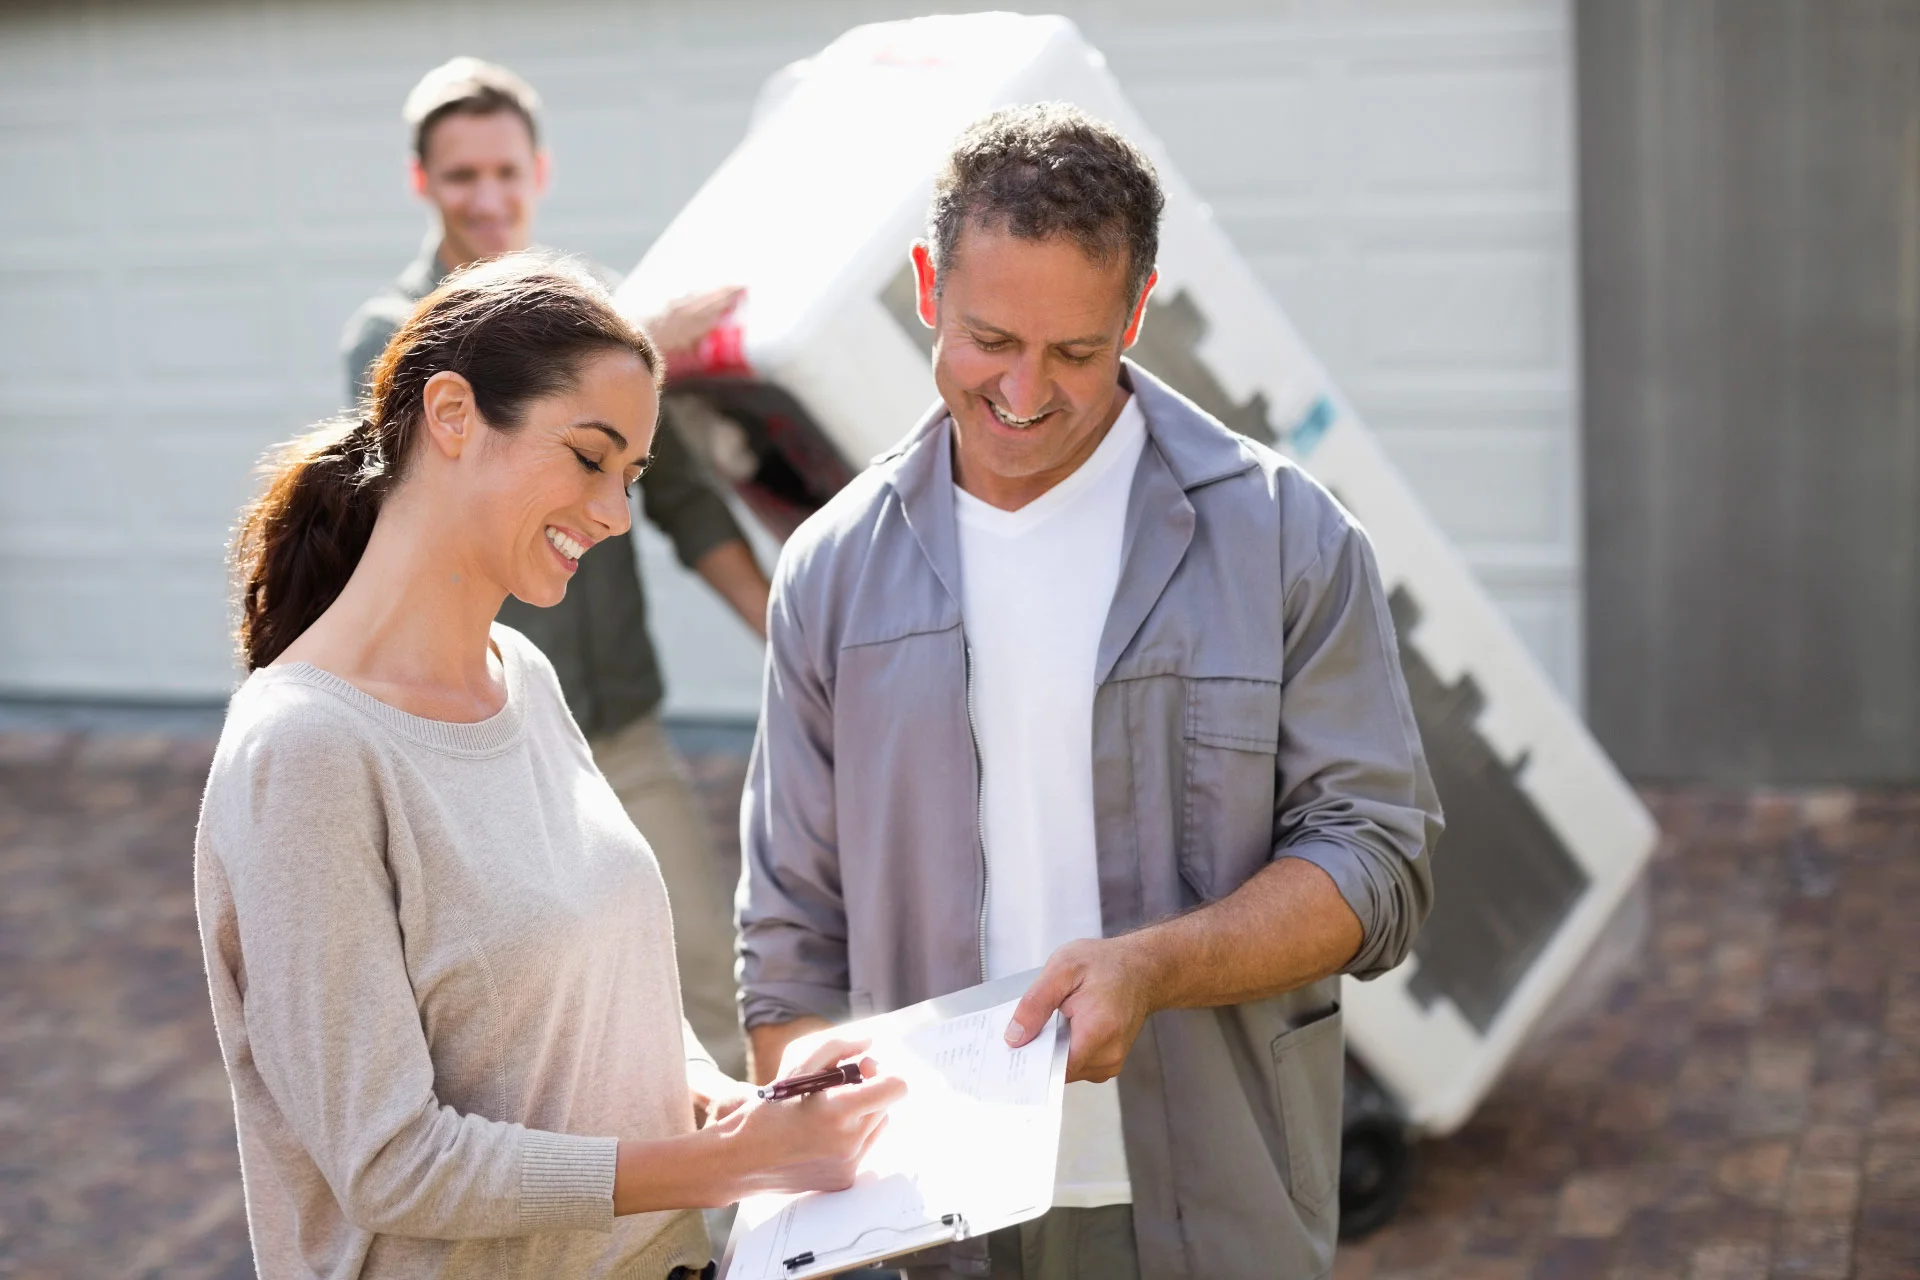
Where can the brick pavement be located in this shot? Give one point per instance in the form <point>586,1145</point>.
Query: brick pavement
<point>1745,1104</point>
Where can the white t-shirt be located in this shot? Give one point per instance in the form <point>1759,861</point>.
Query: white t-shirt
<point>1037,584</point>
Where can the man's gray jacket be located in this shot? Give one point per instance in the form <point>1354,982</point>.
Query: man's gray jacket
<point>1249,707</point>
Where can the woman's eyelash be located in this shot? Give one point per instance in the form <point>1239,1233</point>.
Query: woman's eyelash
<point>587,462</point>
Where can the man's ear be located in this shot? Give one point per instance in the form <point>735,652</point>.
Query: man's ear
<point>1139,311</point>
<point>449,415</point>
<point>542,170</point>
<point>924,279</point>
<point>417,175</point>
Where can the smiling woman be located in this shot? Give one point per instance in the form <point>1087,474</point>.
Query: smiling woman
<point>459,377</point>
<point>439,953</point>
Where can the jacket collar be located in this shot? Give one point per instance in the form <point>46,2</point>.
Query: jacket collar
<point>1189,448</point>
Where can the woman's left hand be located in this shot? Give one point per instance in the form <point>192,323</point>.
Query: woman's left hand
<point>716,1095</point>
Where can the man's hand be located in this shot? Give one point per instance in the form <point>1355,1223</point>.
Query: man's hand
<point>1106,989</point>
<point>678,330</point>
<point>1285,928</point>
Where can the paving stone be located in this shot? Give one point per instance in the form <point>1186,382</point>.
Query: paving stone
<point>1893,1170</point>
<point>1823,1191</point>
<point>1755,1172</point>
<point>1813,1250</point>
<point>1729,1260</point>
<point>1594,1205</point>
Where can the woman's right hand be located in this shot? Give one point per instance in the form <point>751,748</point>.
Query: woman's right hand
<point>814,1143</point>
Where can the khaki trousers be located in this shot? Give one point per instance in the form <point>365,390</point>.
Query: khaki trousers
<point>1062,1244</point>
<point>652,782</point>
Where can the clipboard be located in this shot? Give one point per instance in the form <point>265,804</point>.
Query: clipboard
<point>971,1149</point>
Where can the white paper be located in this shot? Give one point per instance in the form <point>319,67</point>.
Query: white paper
<point>970,1149</point>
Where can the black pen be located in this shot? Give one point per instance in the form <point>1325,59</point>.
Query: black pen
<point>801,1086</point>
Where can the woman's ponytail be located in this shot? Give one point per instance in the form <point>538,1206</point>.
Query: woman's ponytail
<point>300,539</point>
<point>517,328</point>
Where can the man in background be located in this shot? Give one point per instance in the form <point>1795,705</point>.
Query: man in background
<point>477,160</point>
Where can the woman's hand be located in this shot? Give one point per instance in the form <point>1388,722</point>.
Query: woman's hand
<point>813,1143</point>
<point>744,1146</point>
<point>716,1095</point>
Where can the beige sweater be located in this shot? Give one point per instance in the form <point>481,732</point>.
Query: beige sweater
<point>443,980</point>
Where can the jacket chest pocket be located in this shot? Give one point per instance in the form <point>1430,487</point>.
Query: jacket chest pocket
<point>1231,737</point>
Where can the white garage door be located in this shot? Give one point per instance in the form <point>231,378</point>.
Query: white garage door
<point>192,199</point>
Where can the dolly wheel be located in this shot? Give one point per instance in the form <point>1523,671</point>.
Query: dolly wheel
<point>1375,1168</point>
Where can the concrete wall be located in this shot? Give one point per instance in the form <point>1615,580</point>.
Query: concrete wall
<point>1751,228</point>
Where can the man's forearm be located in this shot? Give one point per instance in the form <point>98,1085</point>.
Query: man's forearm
<point>767,1042</point>
<point>1285,928</point>
<point>735,575</point>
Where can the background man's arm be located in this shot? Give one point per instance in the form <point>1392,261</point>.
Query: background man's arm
<point>680,499</point>
<point>792,918</point>
<point>1355,820</point>
<point>733,573</point>
<point>683,503</point>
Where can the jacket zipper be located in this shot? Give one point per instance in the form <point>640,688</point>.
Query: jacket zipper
<point>979,810</point>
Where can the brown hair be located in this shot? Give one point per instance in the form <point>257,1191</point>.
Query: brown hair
<point>518,328</point>
<point>468,87</point>
<point>1049,169</point>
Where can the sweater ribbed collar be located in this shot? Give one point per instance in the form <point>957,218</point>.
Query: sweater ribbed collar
<point>482,737</point>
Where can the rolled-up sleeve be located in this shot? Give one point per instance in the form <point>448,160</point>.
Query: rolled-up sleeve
<point>681,502</point>
<point>791,913</point>
<point>1353,796</point>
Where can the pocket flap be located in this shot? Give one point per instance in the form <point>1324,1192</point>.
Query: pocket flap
<point>1240,715</point>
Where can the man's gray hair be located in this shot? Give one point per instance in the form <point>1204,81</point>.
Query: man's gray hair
<point>1049,169</point>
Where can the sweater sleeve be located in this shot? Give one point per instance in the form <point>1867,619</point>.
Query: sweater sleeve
<point>298,836</point>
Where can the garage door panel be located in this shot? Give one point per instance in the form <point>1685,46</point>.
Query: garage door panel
<point>1422,311</point>
<point>203,323</point>
<point>198,173</point>
<point>343,174</point>
<point>194,50</point>
<point>59,483</point>
<point>196,485</point>
<point>53,327</point>
<point>1239,137</point>
<point>181,627</point>
<point>65,625</point>
<point>607,160</point>
<point>348,40</point>
<point>1489,129</point>
<point>1491,485</point>
<point>48,175</point>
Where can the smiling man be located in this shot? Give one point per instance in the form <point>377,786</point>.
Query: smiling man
<point>478,163</point>
<point>1078,678</point>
